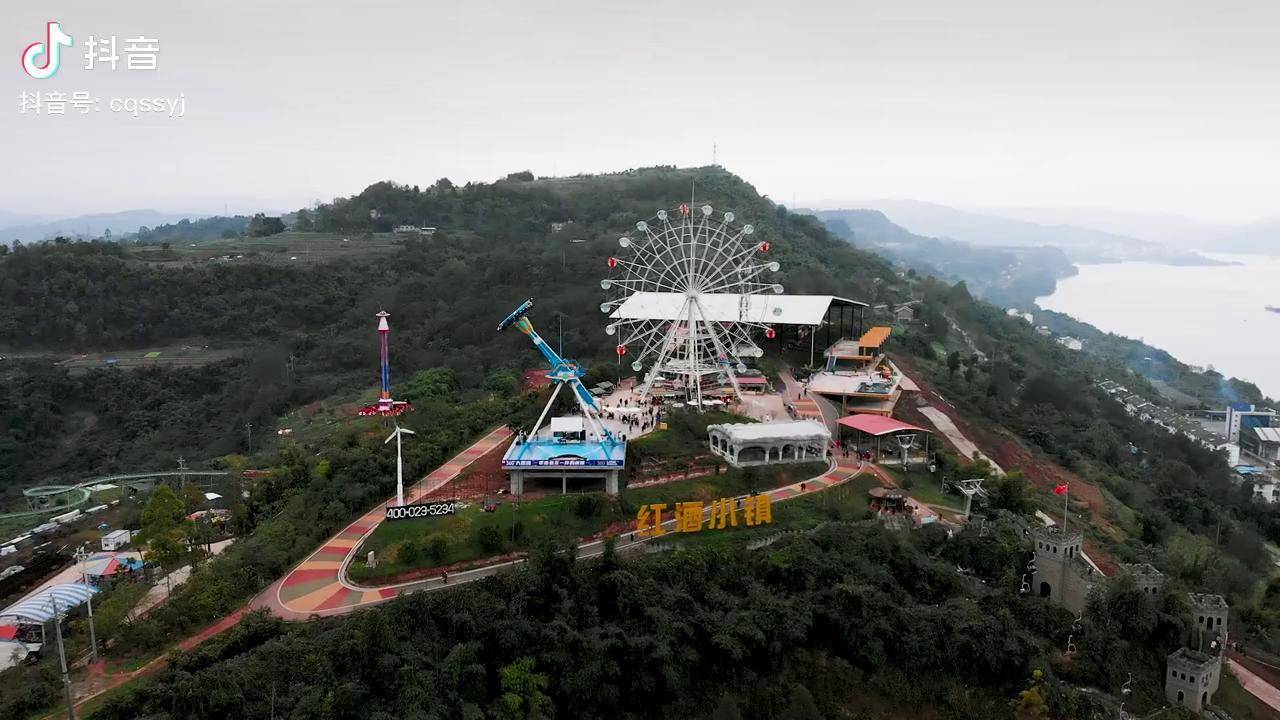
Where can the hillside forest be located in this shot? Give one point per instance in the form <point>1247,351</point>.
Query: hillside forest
<point>847,619</point>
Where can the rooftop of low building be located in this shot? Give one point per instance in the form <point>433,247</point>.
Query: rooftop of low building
<point>1209,600</point>
<point>1143,570</point>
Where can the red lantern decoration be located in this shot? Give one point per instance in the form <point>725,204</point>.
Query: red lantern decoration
<point>770,333</point>
<point>613,263</point>
<point>622,350</point>
<point>684,208</point>
<point>764,246</point>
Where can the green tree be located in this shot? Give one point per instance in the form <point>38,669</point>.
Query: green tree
<point>261,226</point>
<point>524,692</point>
<point>801,705</point>
<point>504,381</point>
<point>586,506</point>
<point>953,362</point>
<point>1031,704</point>
<point>163,528</point>
<point>489,539</point>
<point>935,320</point>
<point>437,548</point>
<point>408,552</point>
<point>436,383</point>
<point>1010,493</point>
<point>726,709</point>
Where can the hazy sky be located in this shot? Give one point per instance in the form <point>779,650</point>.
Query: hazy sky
<point>1163,106</point>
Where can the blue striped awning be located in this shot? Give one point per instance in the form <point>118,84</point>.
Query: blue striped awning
<point>41,607</point>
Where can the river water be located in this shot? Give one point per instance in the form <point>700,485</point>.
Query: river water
<point>1211,315</point>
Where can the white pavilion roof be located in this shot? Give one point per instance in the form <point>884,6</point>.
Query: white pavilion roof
<point>39,607</point>
<point>780,431</point>
<point>726,307</point>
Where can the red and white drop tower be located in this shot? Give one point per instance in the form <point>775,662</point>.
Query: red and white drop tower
<point>387,407</point>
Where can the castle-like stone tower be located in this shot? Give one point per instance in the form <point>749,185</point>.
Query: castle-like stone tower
<point>1062,575</point>
<point>1192,679</point>
<point>1209,634</point>
<point>1146,577</point>
<point>1195,671</point>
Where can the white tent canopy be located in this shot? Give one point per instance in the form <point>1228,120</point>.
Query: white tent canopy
<point>729,307</point>
<point>40,607</point>
<point>568,424</point>
<point>785,430</point>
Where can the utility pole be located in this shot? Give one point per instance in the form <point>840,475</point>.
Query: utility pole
<point>62,656</point>
<point>80,556</point>
<point>248,428</point>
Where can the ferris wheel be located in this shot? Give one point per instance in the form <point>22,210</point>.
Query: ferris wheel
<point>687,292</point>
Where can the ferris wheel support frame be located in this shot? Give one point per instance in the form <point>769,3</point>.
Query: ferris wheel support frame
<point>692,256</point>
<point>691,305</point>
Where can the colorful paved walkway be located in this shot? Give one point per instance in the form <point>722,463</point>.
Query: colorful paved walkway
<point>317,587</point>
<point>1259,688</point>
<point>808,407</point>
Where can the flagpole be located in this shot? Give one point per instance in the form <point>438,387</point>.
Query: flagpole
<point>1065,496</point>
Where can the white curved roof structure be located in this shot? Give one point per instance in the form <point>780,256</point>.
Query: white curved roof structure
<point>731,307</point>
<point>778,431</point>
<point>40,607</point>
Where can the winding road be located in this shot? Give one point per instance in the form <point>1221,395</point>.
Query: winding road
<point>318,585</point>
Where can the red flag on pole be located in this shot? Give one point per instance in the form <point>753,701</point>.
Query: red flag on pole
<point>1060,489</point>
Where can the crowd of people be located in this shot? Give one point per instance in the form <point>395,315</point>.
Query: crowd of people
<point>639,416</point>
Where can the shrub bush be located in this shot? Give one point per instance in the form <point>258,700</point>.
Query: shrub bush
<point>586,506</point>
<point>408,552</point>
<point>489,539</point>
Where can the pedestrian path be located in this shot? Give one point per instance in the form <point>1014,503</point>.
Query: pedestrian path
<point>840,471</point>
<point>317,587</point>
<point>1259,688</point>
<point>957,438</point>
<point>807,407</point>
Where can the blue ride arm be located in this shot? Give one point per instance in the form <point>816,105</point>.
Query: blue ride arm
<point>545,349</point>
<point>585,395</point>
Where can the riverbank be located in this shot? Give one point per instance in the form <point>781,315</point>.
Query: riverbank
<point>1204,315</point>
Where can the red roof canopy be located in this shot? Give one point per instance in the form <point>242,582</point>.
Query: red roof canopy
<point>878,424</point>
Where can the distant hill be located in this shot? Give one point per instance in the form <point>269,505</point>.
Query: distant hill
<point>1176,231</point>
<point>1261,237</point>
<point>1006,275</point>
<point>1081,244</point>
<point>12,218</point>
<point>119,223</point>
<point>210,228</point>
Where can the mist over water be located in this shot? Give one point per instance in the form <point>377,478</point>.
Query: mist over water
<point>1201,315</point>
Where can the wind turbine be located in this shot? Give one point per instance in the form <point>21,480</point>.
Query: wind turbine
<point>399,431</point>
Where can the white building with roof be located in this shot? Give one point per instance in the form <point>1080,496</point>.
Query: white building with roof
<point>749,444</point>
<point>1242,416</point>
<point>1262,442</point>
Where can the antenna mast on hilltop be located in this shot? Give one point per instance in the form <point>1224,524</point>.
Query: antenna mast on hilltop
<point>713,155</point>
